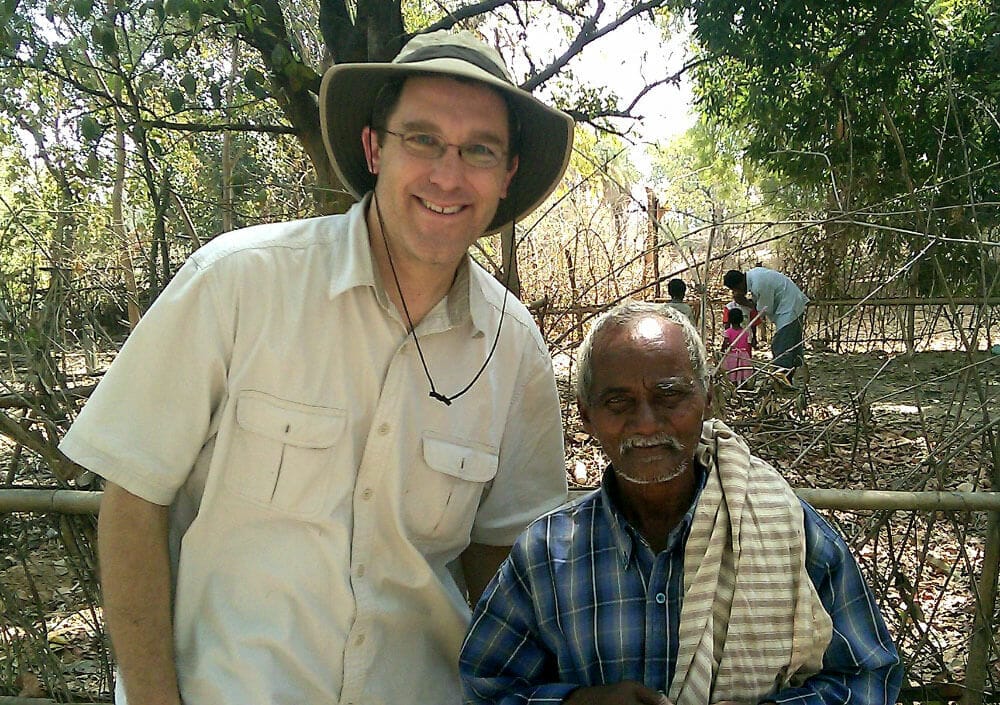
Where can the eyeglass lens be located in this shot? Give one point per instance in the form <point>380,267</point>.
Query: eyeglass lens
<point>430,146</point>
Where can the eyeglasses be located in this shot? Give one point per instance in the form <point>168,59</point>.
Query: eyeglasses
<point>428,146</point>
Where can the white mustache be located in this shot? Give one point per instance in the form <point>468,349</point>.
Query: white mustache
<point>659,439</point>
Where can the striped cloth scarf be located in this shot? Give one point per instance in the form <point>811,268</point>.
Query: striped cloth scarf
<point>751,623</point>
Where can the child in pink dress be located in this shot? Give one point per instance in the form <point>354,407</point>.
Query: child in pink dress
<point>737,348</point>
<point>750,319</point>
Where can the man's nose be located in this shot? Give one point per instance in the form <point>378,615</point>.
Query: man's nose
<point>448,169</point>
<point>645,422</point>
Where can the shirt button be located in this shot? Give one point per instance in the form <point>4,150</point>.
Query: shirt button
<point>367,493</point>
<point>359,640</point>
<point>383,429</point>
<point>360,572</point>
<point>660,598</point>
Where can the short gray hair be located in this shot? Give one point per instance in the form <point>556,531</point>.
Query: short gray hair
<point>624,313</point>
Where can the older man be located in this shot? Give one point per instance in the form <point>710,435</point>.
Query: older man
<point>323,429</point>
<point>694,572</point>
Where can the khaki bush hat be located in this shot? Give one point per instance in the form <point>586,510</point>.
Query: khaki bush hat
<point>348,93</point>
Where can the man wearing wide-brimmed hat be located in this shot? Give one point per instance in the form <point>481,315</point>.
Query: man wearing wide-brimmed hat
<point>324,430</point>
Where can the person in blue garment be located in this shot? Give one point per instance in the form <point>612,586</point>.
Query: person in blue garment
<point>780,301</point>
<point>694,575</point>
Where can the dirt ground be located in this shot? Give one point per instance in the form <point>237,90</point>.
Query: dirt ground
<point>873,420</point>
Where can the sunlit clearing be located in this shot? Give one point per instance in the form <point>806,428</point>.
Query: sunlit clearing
<point>898,408</point>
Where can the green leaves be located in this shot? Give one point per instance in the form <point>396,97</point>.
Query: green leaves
<point>191,9</point>
<point>10,39</point>
<point>90,129</point>
<point>41,57</point>
<point>190,84</point>
<point>93,164</point>
<point>215,91</point>
<point>255,82</point>
<point>7,9</point>
<point>104,37</point>
<point>83,8</point>
<point>280,55</point>
<point>176,100</point>
<point>883,99</point>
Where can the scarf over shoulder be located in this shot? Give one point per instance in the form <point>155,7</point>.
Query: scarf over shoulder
<point>751,622</point>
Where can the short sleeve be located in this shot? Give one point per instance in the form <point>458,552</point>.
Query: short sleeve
<point>150,416</point>
<point>531,479</point>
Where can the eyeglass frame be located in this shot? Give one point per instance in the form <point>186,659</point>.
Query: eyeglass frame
<point>388,96</point>
<point>404,138</point>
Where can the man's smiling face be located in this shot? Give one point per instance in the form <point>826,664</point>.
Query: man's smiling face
<point>434,209</point>
<point>646,404</point>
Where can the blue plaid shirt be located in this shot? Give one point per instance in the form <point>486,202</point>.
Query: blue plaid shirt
<point>583,600</point>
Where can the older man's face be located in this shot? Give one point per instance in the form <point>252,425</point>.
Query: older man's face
<point>646,405</point>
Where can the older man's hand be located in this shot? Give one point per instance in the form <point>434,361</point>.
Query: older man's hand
<point>624,693</point>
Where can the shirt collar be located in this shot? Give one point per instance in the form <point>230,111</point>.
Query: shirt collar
<point>625,535</point>
<point>356,268</point>
<point>483,299</point>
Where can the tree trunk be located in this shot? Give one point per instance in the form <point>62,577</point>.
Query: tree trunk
<point>118,223</point>
<point>573,293</point>
<point>227,146</point>
<point>651,253</point>
<point>508,262</point>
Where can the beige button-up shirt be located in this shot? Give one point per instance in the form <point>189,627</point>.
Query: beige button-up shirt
<point>319,497</point>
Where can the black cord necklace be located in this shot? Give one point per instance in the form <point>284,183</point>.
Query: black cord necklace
<point>434,394</point>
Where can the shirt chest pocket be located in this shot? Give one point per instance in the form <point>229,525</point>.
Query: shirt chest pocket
<point>281,454</point>
<point>443,492</point>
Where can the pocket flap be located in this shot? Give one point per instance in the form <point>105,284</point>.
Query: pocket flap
<point>461,461</point>
<point>289,422</point>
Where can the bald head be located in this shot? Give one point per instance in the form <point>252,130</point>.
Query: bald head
<point>625,314</point>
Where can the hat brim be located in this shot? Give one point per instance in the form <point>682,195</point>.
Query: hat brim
<point>348,93</point>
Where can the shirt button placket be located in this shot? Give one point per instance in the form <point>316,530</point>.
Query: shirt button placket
<point>378,455</point>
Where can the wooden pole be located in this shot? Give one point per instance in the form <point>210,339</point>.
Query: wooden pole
<point>910,301</point>
<point>821,303</point>
<point>891,501</point>
<point>983,629</point>
<point>11,700</point>
<point>88,502</point>
<point>43,501</point>
<point>902,501</point>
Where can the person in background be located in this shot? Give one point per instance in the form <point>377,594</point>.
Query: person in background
<point>324,431</point>
<point>677,289</point>
<point>783,303</point>
<point>694,575</point>
<point>738,360</point>
<point>751,319</point>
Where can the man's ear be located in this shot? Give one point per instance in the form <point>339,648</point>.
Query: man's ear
<point>584,411</point>
<point>514,162</point>
<point>707,413</point>
<point>369,141</point>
